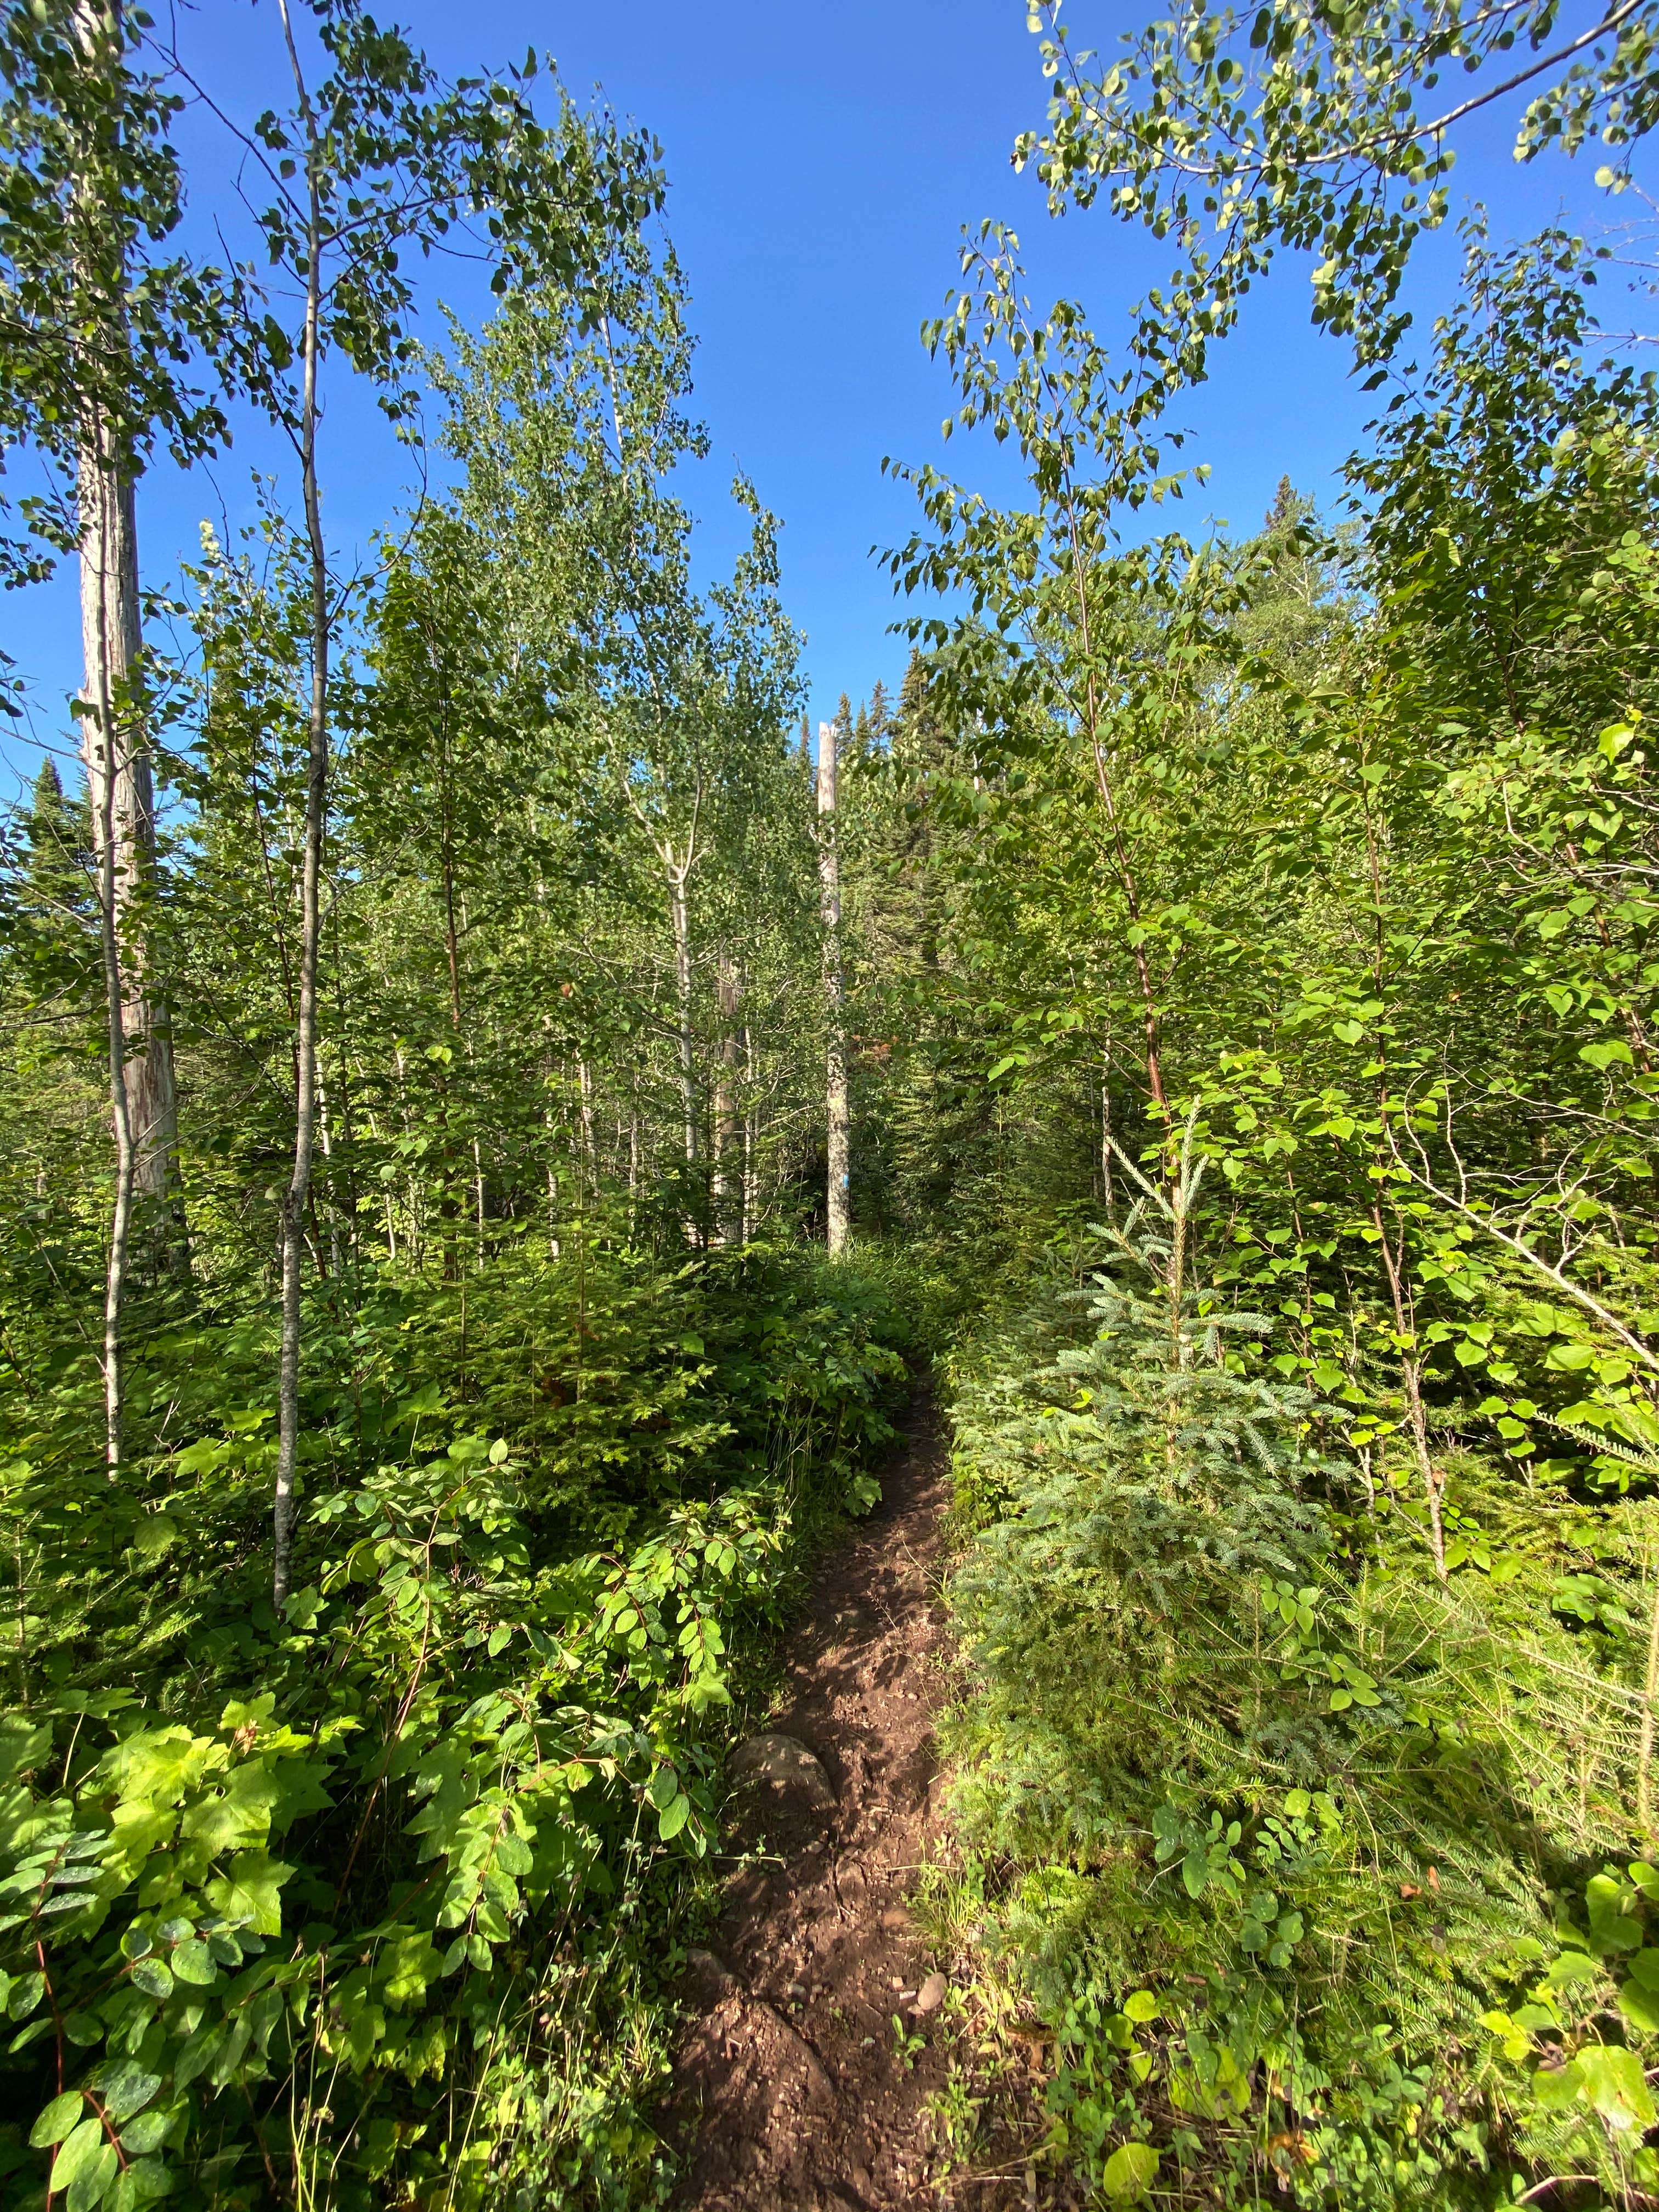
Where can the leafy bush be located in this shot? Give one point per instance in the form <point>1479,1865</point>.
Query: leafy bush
<point>1322,1869</point>
<point>359,1897</point>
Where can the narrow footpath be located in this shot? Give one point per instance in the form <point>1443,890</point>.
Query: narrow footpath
<point>827,2046</point>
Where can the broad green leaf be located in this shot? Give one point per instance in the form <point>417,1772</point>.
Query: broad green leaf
<point>80,2153</point>
<point>251,1893</point>
<point>1130,2172</point>
<point>58,2119</point>
<point>124,2089</point>
<point>146,2132</point>
<point>1613,1927</point>
<point>1614,2087</point>
<point>193,1962</point>
<point>26,1993</point>
<point>153,1976</point>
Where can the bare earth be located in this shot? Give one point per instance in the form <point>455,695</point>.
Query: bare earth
<point>793,2088</point>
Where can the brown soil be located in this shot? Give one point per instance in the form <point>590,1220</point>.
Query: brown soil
<point>793,2090</point>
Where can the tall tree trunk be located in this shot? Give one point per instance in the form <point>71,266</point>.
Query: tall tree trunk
<point>751,1145</point>
<point>590,1145</point>
<point>125,814</point>
<point>1412,1364</point>
<point>450,1170</point>
<point>99,741</point>
<point>680,913</point>
<point>1107,1188</point>
<point>305,1119</point>
<point>836,1106</point>
<point>728,1121</point>
<point>120,790</point>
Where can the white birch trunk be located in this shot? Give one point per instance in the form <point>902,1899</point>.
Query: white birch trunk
<point>729,1177</point>
<point>680,912</point>
<point>836,1118</point>
<point>297,1200</point>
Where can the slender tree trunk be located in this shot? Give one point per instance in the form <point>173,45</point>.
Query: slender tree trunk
<point>305,1121</point>
<point>750,1149</point>
<point>120,790</point>
<point>1411,1386</point>
<point>680,913</point>
<point>590,1143</point>
<point>479,1187</point>
<point>1108,1190</point>
<point>98,734</point>
<point>1649,1708</point>
<point>836,1105</point>
<point>728,1122</point>
<point>1126,874</point>
<point>126,815</point>
<point>448,1197</point>
<point>337,1264</point>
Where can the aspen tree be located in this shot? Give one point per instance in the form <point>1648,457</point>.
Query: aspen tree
<point>729,1175</point>
<point>836,1108</point>
<point>120,792</point>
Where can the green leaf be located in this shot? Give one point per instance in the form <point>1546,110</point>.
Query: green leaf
<point>1614,2087</point>
<point>193,1962</point>
<point>143,2183</point>
<point>124,2089</point>
<point>251,1895</point>
<point>153,1976</point>
<point>238,1814</point>
<point>147,2132</point>
<point>22,1747</point>
<point>1570,1968</point>
<point>1141,2005</point>
<point>59,2118</point>
<point>1603,1055</point>
<point>673,1817</point>
<point>1130,2172</point>
<point>80,2154</point>
<point>1612,1929</point>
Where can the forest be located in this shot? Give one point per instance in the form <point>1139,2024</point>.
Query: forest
<point>503,1126</point>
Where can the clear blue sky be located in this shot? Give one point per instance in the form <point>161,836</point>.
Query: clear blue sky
<point>823,159</point>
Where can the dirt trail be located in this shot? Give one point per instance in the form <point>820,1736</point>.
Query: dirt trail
<point>793,2091</point>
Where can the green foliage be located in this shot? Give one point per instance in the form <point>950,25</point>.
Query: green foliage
<point>1238,134</point>
<point>1287,1839</point>
<point>276,1893</point>
<point>1293,898</point>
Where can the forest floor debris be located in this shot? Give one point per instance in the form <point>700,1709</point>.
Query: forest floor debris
<point>830,2058</point>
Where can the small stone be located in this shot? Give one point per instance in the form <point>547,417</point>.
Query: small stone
<point>931,1995</point>
<point>784,1764</point>
<point>709,1978</point>
<point>895,1919</point>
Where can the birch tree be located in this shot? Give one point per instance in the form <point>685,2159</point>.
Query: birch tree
<point>99,331</point>
<point>837,1118</point>
<point>379,161</point>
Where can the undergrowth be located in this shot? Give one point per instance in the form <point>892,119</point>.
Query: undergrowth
<point>376,1901</point>
<point>1329,1878</point>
